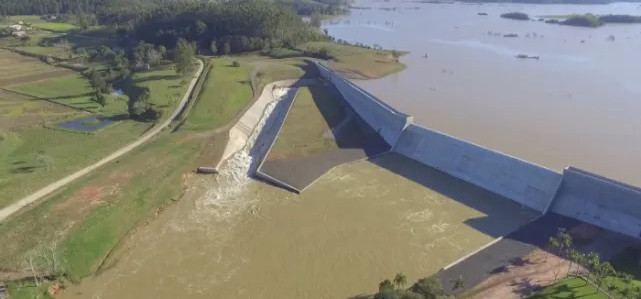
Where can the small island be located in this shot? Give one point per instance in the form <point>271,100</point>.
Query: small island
<point>482,14</point>
<point>525,56</point>
<point>592,21</point>
<point>516,16</point>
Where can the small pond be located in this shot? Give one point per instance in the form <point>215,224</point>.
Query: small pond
<point>86,124</point>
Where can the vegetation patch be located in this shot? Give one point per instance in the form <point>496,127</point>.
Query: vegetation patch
<point>587,20</point>
<point>225,92</point>
<point>305,131</point>
<point>358,62</point>
<point>93,214</point>
<point>86,124</point>
<point>516,16</point>
<point>72,91</point>
<point>55,27</point>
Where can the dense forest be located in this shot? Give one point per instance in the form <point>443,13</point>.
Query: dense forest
<point>120,11</point>
<point>227,27</point>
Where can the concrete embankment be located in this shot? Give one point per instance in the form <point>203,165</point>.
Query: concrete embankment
<point>528,184</point>
<point>240,132</point>
<point>599,201</point>
<point>578,194</point>
<point>385,120</point>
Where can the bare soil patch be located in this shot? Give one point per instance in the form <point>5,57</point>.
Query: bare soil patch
<point>538,270</point>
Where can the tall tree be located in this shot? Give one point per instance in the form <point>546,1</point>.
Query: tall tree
<point>212,47</point>
<point>184,58</point>
<point>400,280</point>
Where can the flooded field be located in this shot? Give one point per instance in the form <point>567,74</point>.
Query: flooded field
<point>362,222</point>
<point>577,105</point>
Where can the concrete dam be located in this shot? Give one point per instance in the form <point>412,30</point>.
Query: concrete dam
<point>575,193</point>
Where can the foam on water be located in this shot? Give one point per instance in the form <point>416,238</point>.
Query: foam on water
<point>224,201</point>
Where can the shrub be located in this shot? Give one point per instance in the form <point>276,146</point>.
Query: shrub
<point>235,63</point>
<point>516,16</point>
<point>583,21</point>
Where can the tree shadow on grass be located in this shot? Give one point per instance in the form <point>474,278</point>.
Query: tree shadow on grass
<point>24,169</point>
<point>525,287</point>
<point>155,78</point>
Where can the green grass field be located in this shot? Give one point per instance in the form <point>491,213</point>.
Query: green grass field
<point>55,27</point>
<point>569,288</point>
<point>73,91</point>
<point>35,156</point>
<point>309,118</point>
<point>55,52</point>
<point>89,217</point>
<point>225,92</point>
<point>359,62</point>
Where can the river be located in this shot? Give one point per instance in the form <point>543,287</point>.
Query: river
<point>578,105</point>
<point>233,237</point>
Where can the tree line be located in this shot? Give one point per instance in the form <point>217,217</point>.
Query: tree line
<point>227,27</point>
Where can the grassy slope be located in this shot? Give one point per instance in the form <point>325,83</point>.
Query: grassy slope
<point>90,216</point>
<point>569,288</point>
<point>302,133</point>
<point>73,90</point>
<point>38,156</point>
<point>225,92</point>
<point>359,62</point>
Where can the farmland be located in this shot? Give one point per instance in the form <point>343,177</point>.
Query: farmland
<point>35,96</point>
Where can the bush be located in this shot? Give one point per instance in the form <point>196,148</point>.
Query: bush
<point>583,21</point>
<point>235,63</point>
<point>516,16</point>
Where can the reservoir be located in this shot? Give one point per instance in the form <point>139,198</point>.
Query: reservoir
<point>577,105</point>
<point>233,237</point>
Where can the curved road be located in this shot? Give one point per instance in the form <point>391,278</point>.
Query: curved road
<point>11,209</point>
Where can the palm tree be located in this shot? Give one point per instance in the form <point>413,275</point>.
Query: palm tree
<point>553,243</point>
<point>565,239</point>
<point>400,280</point>
<point>385,284</point>
<point>574,257</point>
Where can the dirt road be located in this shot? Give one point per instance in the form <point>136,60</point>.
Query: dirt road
<point>10,210</point>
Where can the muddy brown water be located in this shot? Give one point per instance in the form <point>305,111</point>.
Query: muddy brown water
<point>359,224</point>
<point>233,237</point>
<point>577,105</point>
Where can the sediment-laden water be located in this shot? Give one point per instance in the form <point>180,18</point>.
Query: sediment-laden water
<point>577,105</point>
<point>233,237</point>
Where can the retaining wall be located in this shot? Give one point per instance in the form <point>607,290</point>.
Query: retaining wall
<point>387,121</point>
<point>523,182</point>
<point>599,201</point>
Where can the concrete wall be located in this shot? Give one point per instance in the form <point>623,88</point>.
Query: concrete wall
<point>385,120</point>
<point>599,201</point>
<point>577,194</point>
<point>523,182</point>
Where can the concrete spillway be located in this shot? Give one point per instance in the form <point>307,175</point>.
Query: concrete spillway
<point>578,194</point>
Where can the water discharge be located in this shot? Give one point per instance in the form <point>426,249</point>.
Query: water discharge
<point>234,237</point>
